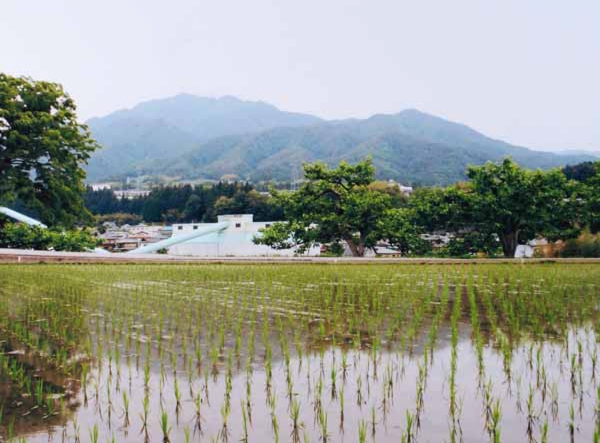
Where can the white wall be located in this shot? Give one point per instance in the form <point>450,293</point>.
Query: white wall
<point>234,241</point>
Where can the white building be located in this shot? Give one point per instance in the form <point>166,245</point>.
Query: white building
<point>130,194</point>
<point>233,241</point>
<point>528,250</point>
<point>406,190</point>
<point>100,186</point>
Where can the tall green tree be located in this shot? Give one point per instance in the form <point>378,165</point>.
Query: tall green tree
<point>442,209</point>
<point>22,236</point>
<point>581,172</point>
<point>400,229</point>
<point>591,198</point>
<point>332,205</point>
<point>42,150</point>
<point>518,204</point>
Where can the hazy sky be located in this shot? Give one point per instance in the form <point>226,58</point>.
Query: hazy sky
<point>526,71</point>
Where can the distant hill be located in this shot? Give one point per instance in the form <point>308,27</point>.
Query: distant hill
<point>579,152</point>
<point>168,127</point>
<point>192,137</point>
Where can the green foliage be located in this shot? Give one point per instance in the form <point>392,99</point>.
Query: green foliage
<point>21,236</point>
<point>278,236</point>
<point>452,210</point>
<point>399,228</point>
<point>332,205</point>
<point>42,149</point>
<point>335,249</point>
<point>120,218</point>
<point>501,206</point>
<point>441,209</point>
<point>591,196</point>
<point>104,201</point>
<point>581,172</point>
<point>473,243</point>
<point>187,204</point>
<point>586,245</point>
<point>398,198</point>
<point>517,204</point>
<point>74,241</point>
<point>506,203</point>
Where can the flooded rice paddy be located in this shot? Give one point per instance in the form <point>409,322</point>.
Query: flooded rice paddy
<point>299,353</point>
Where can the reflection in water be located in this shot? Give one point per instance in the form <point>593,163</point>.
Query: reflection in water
<point>299,353</point>
<point>40,361</point>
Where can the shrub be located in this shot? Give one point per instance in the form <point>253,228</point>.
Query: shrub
<point>120,218</point>
<point>21,236</point>
<point>335,249</point>
<point>473,243</point>
<point>586,245</point>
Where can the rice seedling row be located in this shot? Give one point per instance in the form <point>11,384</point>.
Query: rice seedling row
<point>300,353</point>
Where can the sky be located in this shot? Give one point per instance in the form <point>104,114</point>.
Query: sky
<point>524,71</point>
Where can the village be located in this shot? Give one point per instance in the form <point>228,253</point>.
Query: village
<point>235,240</point>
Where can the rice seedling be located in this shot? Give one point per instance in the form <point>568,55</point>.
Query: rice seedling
<point>145,412</point>
<point>495,422</point>
<point>224,432</point>
<point>544,432</point>
<point>408,434</point>
<point>177,393</point>
<point>125,410</point>
<point>295,418</point>
<point>323,425</point>
<point>94,434</point>
<point>164,426</point>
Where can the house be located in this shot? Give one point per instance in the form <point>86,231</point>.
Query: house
<point>100,186</point>
<point>406,190</point>
<point>130,194</point>
<point>110,226</point>
<point>127,238</point>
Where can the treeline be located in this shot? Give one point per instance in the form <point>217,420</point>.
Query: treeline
<point>172,204</point>
<point>22,236</point>
<point>503,205</point>
<point>500,207</point>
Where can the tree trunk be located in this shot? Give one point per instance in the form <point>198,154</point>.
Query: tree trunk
<point>509,240</point>
<point>357,251</point>
<point>361,248</point>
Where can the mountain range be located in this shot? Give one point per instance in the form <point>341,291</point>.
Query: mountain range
<point>189,137</point>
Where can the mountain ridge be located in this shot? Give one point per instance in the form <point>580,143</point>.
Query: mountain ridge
<point>138,133</point>
<point>198,137</point>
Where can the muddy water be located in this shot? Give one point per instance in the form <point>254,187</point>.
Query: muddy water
<point>384,386</point>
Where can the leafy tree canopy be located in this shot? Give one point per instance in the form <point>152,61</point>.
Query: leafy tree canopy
<point>581,172</point>
<point>442,209</point>
<point>591,197</point>
<point>21,236</point>
<point>42,149</point>
<point>187,204</point>
<point>400,229</point>
<point>332,205</point>
<point>518,204</point>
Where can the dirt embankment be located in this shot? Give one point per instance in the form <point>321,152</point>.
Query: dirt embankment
<point>28,256</point>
